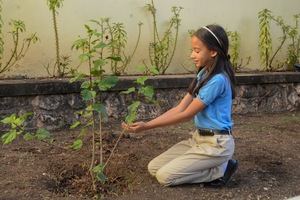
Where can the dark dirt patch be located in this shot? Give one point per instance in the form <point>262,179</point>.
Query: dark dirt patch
<point>267,147</point>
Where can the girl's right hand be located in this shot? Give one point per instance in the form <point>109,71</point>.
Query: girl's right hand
<point>137,127</point>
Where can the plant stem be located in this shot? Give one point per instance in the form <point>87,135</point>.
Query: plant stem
<point>174,47</point>
<point>100,137</point>
<point>102,39</point>
<point>155,34</point>
<point>8,64</point>
<point>279,47</point>
<point>128,60</point>
<point>93,124</point>
<point>93,152</point>
<point>115,146</point>
<point>60,73</point>
<point>137,41</point>
<point>112,66</point>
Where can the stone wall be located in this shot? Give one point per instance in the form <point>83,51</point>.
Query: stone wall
<point>55,102</point>
<point>267,98</point>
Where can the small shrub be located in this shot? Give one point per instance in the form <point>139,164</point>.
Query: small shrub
<point>91,48</point>
<point>62,65</point>
<point>289,33</point>
<point>20,46</point>
<point>162,49</point>
<point>234,51</point>
<point>16,125</point>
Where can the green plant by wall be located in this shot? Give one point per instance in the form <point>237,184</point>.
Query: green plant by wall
<point>265,41</point>
<point>285,30</point>
<point>16,125</point>
<point>234,51</point>
<point>20,47</point>
<point>60,68</point>
<point>119,41</point>
<point>162,49</point>
<point>293,55</point>
<point>92,48</point>
<point>117,35</point>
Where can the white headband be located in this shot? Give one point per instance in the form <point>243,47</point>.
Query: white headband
<point>213,35</point>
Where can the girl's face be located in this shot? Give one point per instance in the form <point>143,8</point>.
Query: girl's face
<point>201,55</point>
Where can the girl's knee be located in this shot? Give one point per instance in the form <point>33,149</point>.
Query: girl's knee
<point>164,177</point>
<point>151,168</point>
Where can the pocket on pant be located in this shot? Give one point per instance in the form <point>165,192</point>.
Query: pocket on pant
<point>200,140</point>
<point>226,142</point>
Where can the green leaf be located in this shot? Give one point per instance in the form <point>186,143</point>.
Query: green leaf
<point>154,70</point>
<point>95,21</point>
<point>77,144</point>
<point>87,27</point>
<point>75,124</point>
<point>17,26</point>
<point>29,136</point>
<point>26,115</point>
<point>88,94</point>
<point>77,76</point>
<point>10,136</point>
<point>17,122</point>
<point>42,134</point>
<point>101,45</point>
<point>89,123</point>
<point>9,120</point>
<point>99,63</point>
<point>80,43</point>
<point>99,173</point>
<point>147,91</point>
<point>97,69</point>
<point>100,108</point>
<point>141,80</point>
<point>132,112</point>
<point>89,108</point>
<point>85,85</point>
<point>107,83</point>
<point>84,57</point>
<point>130,90</point>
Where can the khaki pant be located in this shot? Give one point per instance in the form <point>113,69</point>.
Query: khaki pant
<point>198,159</point>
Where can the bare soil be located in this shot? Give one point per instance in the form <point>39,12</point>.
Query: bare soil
<point>267,148</point>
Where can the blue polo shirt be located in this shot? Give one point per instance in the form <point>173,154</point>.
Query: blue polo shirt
<point>217,96</point>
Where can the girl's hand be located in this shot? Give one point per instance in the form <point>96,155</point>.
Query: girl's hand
<point>125,126</point>
<point>137,127</point>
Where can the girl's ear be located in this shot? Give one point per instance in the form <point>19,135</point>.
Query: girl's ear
<point>213,53</point>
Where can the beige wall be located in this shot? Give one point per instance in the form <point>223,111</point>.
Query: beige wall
<point>240,15</point>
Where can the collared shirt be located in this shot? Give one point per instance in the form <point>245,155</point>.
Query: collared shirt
<point>216,94</point>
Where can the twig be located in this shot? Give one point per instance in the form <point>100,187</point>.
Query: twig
<point>115,146</point>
